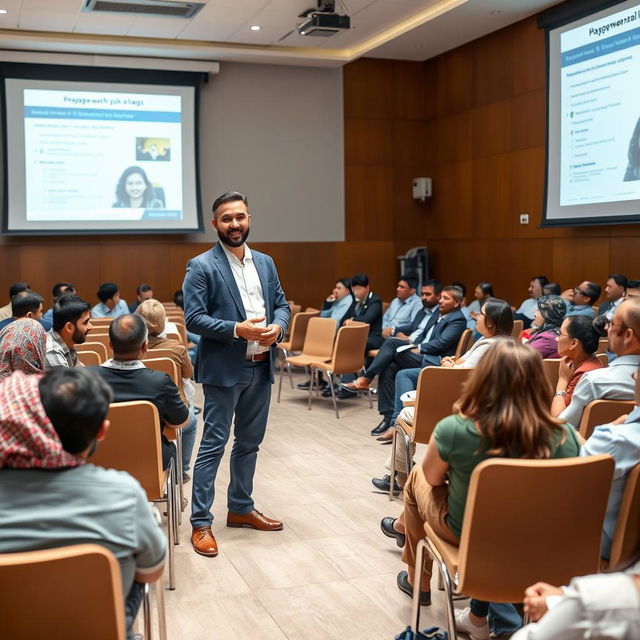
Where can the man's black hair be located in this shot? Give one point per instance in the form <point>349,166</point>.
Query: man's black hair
<point>360,280</point>
<point>551,289</point>
<point>433,282</point>
<point>106,291</point>
<point>59,288</point>
<point>228,196</point>
<point>143,288</point>
<point>178,298</point>
<point>592,291</point>
<point>24,302</point>
<point>18,287</point>
<point>411,281</point>
<point>619,279</point>
<point>68,308</point>
<point>76,400</point>
<point>127,333</point>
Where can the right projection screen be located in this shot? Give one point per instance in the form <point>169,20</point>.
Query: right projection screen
<point>593,133</point>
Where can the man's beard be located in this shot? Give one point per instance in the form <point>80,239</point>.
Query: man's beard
<point>225,239</point>
<point>78,336</point>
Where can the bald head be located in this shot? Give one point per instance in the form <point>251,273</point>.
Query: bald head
<point>629,313</point>
<point>128,334</point>
<point>624,329</point>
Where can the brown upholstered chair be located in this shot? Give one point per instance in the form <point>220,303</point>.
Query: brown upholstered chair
<point>626,539</point>
<point>599,412</point>
<point>518,328</point>
<point>510,522</point>
<point>89,358</point>
<point>464,343</point>
<point>552,370</point>
<point>295,342</point>
<point>101,336</point>
<point>97,347</point>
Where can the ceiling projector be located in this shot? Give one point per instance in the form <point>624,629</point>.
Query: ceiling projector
<point>323,21</point>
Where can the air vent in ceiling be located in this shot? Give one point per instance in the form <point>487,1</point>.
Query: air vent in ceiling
<point>167,8</point>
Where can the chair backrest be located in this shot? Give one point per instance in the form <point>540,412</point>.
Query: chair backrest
<point>103,338</point>
<point>68,592</point>
<point>438,388</point>
<point>101,323</point>
<point>544,533</point>
<point>348,349</point>
<point>599,412</point>
<point>294,308</point>
<point>166,365</point>
<point>155,353</point>
<point>604,359</point>
<point>318,340</point>
<point>312,309</point>
<point>97,347</point>
<point>350,322</point>
<point>603,345</point>
<point>518,328</point>
<point>172,335</point>
<point>89,358</point>
<point>182,330</point>
<point>298,327</point>
<point>464,343</point>
<point>626,540</point>
<point>133,444</point>
<point>551,370</point>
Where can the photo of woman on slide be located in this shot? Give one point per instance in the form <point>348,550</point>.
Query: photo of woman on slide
<point>135,191</point>
<point>633,168</point>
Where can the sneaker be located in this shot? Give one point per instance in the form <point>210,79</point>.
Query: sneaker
<point>464,624</point>
<point>403,584</point>
<point>382,484</point>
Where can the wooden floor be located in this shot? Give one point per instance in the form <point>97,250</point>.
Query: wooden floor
<point>330,573</point>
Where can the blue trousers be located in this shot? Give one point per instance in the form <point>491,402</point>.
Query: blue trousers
<point>503,617</point>
<point>189,439</point>
<point>249,400</point>
<point>406,380</point>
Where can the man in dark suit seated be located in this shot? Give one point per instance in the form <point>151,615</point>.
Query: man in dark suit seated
<point>130,380</point>
<point>366,307</point>
<point>438,339</point>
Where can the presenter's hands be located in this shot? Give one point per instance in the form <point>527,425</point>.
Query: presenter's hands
<point>270,335</point>
<point>249,331</point>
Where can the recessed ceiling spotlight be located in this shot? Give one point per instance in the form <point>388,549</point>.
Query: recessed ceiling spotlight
<point>255,27</point>
<point>3,11</point>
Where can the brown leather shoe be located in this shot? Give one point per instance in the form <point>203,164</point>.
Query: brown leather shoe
<point>254,519</point>
<point>387,436</point>
<point>203,542</point>
<point>359,384</point>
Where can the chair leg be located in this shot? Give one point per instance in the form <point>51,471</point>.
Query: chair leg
<point>445,578</point>
<point>333,395</point>
<point>312,380</point>
<point>180,473</point>
<point>407,442</point>
<point>170,518</point>
<point>280,383</point>
<point>417,583</point>
<point>162,618</point>
<point>146,612</point>
<point>370,400</point>
<point>393,461</point>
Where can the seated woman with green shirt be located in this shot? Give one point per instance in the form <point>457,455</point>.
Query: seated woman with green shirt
<point>503,412</point>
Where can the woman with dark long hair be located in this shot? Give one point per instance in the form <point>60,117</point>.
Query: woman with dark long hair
<point>134,190</point>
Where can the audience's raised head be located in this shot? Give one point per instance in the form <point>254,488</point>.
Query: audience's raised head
<point>360,286</point>
<point>128,336</point>
<point>578,338</point>
<point>144,292</point>
<point>27,304</point>
<point>633,289</point>
<point>536,286</point>
<point>550,313</point>
<point>508,397</point>
<point>62,288</point>
<point>18,287</point>
<point>22,347</point>
<point>483,291</point>
<point>76,402</point>
<point>430,293</point>
<point>616,286</point>
<point>461,286</point>
<point>551,289</point>
<point>72,318</point>
<point>342,288</point>
<point>178,298</point>
<point>451,298</point>
<point>586,293</point>
<point>624,328</point>
<point>108,294</point>
<point>154,315</point>
<point>406,288</point>
<point>495,318</point>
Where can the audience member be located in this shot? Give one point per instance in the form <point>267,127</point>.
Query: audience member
<point>58,289</point>
<point>130,380</point>
<point>438,339</point>
<point>143,292</point>
<point>502,412</point>
<point>614,291</point>
<point>366,307</point>
<point>615,381</point>
<point>22,347</point>
<point>110,305</point>
<point>495,320</point>
<point>546,325</point>
<point>192,338</point>
<point>527,309</point>
<point>633,289</point>
<point>577,342</point>
<point>16,287</point>
<point>582,298</point>
<point>403,307</point>
<point>551,289</point>
<point>25,304</point>
<point>71,323</point>
<point>154,315</point>
<point>482,292</point>
<point>50,496</point>
<point>339,302</point>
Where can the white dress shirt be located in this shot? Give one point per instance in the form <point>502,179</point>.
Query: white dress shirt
<point>246,277</point>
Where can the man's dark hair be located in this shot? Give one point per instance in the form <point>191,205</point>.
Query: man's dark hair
<point>76,401</point>
<point>127,333</point>
<point>460,286</point>
<point>143,288</point>
<point>457,290</point>
<point>633,284</point>
<point>346,282</point>
<point>24,302</point>
<point>433,282</point>
<point>178,298</point>
<point>61,287</point>
<point>410,280</point>
<point>18,287</point>
<point>619,279</point>
<point>106,291</point>
<point>486,288</point>
<point>543,280</point>
<point>360,280</point>
<point>592,290</point>
<point>228,196</point>
<point>551,289</point>
<point>581,328</point>
<point>68,308</point>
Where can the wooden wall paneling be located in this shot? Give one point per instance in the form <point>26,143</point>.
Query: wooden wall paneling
<point>578,259</point>
<point>528,120</point>
<point>450,210</point>
<point>526,177</point>
<point>179,255</point>
<point>368,88</point>
<point>410,91</point>
<point>410,217</point>
<point>455,80</point>
<point>454,137</point>
<point>624,257</point>
<point>491,188</point>
<point>527,51</point>
<point>9,270</point>
<point>491,129</point>
<point>414,143</point>
<point>432,88</point>
<point>368,142</point>
<point>493,67</point>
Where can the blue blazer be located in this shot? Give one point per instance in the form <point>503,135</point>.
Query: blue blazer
<point>213,306</point>
<point>444,339</point>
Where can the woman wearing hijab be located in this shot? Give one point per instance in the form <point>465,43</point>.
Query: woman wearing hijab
<point>23,345</point>
<point>548,317</point>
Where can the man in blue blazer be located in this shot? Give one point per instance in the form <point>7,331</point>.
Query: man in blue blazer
<point>233,300</point>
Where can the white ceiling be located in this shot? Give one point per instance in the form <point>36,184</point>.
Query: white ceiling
<point>398,29</point>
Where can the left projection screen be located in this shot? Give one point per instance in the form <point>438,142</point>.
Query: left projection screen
<point>100,157</point>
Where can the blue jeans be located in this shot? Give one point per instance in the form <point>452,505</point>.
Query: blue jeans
<point>188,439</point>
<point>503,617</point>
<point>249,400</point>
<point>132,606</point>
<point>406,380</point>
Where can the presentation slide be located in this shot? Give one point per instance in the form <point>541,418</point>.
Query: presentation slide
<point>594,119</point>
<point>90,157</point>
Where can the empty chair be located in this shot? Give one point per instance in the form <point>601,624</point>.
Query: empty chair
<point>295,343</point>
<point>103,338</point>
<point>542,539</point>
<point>89,358</point>
<point>552,370</point>
<point>96,347</point>
<point>599,412</point>
<point>518,327</point>
<point>626,540</point>
<point>101,323</point>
